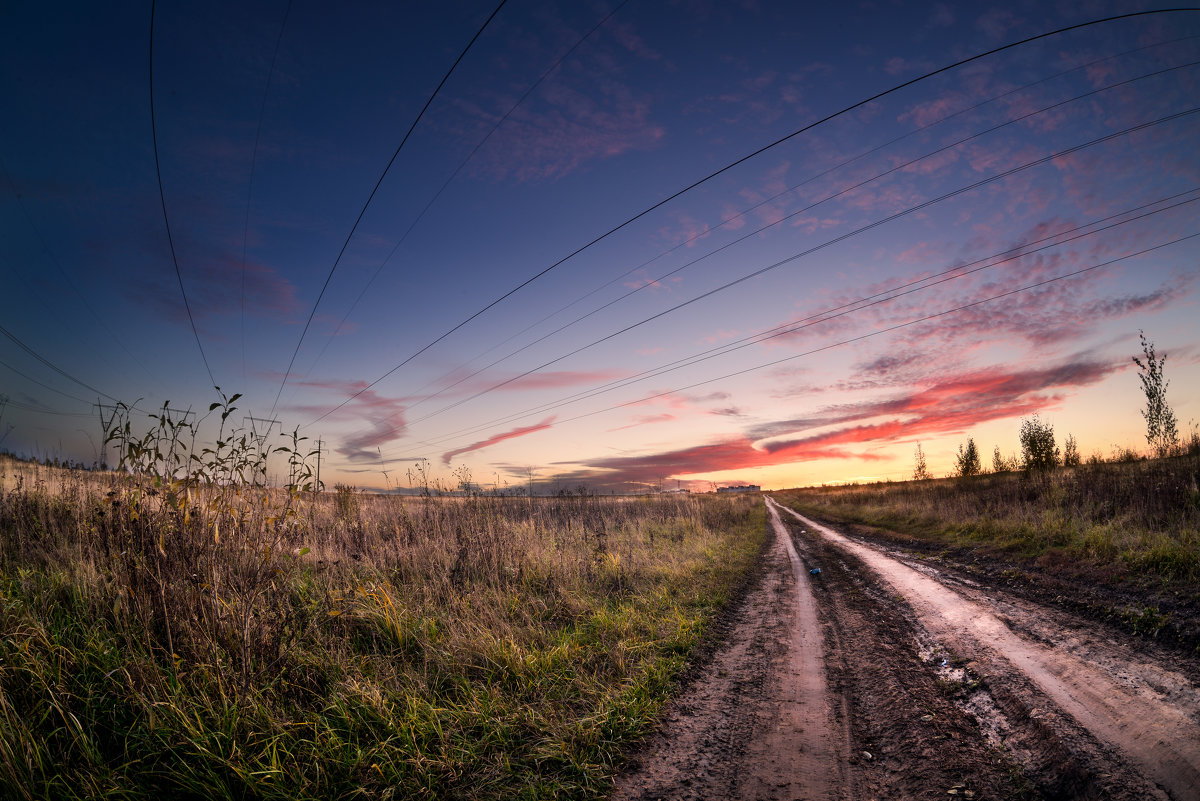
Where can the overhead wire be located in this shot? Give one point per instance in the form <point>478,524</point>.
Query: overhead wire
<point>819,247</point>
<point>28,377</point>
<point>19,343</point>
<point>262,112</point>
<point>744,159</point>
<point>371,196</point>
<point>725,221</point>
<point>62,270</point>
<point>163,200</point>
<point>753,233</point>
<point>879,332</point>
<point>44,409</point>
<point>892,293</point>
<point>549,71</point>
<point>926,318</point>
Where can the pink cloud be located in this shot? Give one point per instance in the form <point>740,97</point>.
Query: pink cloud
<point>564,378</point>
<point>384,415</point>
<point>570,128</point>
<point>682,401</point>
<point>952,404</point>
<point>686,231</point>
<point>214,288</point>
<point>645,420</point>
<point>997,22</point>
<point>931,111</point>
<point>498,438</point>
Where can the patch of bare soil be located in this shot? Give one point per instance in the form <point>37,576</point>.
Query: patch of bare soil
<point>757,721</point>
<point>910,736</point>
<point>892,675</point>
<point>1166,615</point>
<point>1065,699</point>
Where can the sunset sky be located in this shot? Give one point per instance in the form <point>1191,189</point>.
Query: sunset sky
<point>518,283</point>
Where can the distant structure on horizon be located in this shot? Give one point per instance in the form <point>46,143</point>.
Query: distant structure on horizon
<point>741,488</point>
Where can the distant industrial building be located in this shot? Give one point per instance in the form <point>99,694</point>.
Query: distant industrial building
<point>742,488</point>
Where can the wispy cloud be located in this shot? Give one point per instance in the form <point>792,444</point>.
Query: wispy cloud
<point>645,420</point>
<point>954,403</point>
<point>384,415</point>
<point>568,129</point>
<point>215,289</point>
<point>562,379</point>
<point>498,438</point>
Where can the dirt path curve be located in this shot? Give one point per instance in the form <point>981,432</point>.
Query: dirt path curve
<point>758,723</point>
<point>1145,720</point>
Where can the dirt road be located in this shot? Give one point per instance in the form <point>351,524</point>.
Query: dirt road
<point>882,676</point>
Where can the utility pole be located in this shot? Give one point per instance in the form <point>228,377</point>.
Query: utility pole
<point>105,427</point>
<point>261,439</point>
<point>3,403</point>
<point>319,465</point>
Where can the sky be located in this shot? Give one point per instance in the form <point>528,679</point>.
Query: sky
<point>619,245</point>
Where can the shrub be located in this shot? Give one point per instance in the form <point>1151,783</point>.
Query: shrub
<point>967,462</point>
<point>1071,452</point>
<point>920,470</point>
<point>1161,432</point>
<point>1038,451</point>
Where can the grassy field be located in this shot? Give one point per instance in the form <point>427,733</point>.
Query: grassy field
<point>222,642</point>
<point>1131,525</point>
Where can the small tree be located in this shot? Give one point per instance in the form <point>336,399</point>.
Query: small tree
<point>967,462</point>
<point>920,471</point>
<point>999,463</point>
<point>1038,451</point>
<point>1071,452</point>
<point>1161,432</point>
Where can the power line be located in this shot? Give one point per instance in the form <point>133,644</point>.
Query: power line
<point>887,330</point>
<point>62,271</point>
<point>40,384</point>
<point>755,232</point>
<point>51,365</point>
<point>792,326</point>
<point>728,220</point>
<point>816,248</point>
<point>262,111</point>
<point>44,409</point>
<point>371,196</point>
<point>459,169</point>
<point>742,160</point>
<point>163,200</point>
<point>920,284</point>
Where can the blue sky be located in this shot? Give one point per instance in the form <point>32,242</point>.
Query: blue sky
<point>933,265</point>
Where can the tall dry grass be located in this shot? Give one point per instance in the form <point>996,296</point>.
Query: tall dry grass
<point>169,639</point>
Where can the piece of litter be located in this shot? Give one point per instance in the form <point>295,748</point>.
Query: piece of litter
<point>816,571</point>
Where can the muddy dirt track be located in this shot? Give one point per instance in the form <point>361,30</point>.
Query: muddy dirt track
<point>884,677</point>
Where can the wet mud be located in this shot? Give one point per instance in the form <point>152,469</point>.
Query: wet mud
<point>883,676</point>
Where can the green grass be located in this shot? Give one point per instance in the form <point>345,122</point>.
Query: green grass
<point>212,644</point>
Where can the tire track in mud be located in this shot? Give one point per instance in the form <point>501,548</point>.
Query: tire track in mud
<point>1080,727</point>
<point>758,721</point>
<point>909,737</point>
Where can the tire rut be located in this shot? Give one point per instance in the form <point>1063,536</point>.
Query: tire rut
<point>910,738</point>
<point>1080,726</point>
<point>759,721</point>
